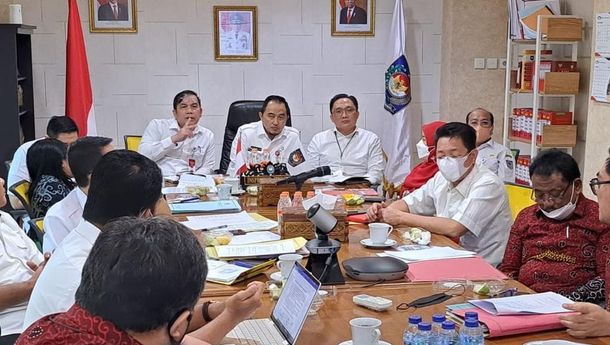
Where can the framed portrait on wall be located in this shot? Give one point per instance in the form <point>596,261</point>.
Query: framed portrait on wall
<point>353,17</point>
<point>113,16</point>
<point>235,33</point>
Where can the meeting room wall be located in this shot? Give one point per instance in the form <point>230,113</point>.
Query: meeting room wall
<point>135,76</point>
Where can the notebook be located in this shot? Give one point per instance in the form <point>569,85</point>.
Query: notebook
<point>288,315</point>
<point>216,206</point>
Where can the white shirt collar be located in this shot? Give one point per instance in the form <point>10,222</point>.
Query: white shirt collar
<point>88,231</point>
<point>487,143</point>
<point>346,136</point>
<point>464,186</point>
<point>260,132</point>
<point>81,197</point>
<point>173,125</point>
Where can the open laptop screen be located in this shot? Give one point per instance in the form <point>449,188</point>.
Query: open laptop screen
<point>297,295</point>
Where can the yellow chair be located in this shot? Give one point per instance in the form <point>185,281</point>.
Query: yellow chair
<point>36,232</point>
<point>519,197</point>
<point>20,189</point>
<point>132,142</point>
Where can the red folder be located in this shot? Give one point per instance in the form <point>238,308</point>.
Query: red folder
<point>502,325</point>
<point>358,218</point>
<point>472,268</point>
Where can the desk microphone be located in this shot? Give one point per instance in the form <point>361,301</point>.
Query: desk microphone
<point>302,177</point>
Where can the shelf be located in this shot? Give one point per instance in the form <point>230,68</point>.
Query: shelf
<point>533,42</point>
<point>541,94</point>
<point>559,136</point>
<point>21,113</point>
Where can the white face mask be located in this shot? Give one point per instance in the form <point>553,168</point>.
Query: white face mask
<point>563,212</point>
<point>452,168</point>
<point>422,149</point>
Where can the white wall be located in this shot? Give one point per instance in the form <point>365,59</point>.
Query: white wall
<point>135,76</point>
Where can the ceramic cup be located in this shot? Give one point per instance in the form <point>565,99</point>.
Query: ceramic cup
<point>379,232</point>
<point>15,16</point>
<point>365,331</point>
<point>224,191</point>
<point>234,182</point>
<point>286,262</point>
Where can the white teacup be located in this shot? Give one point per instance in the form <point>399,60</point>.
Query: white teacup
<point>224,191</point>
<point>379,232</point>
<point>365,331</point>
<point>234,182</point>
<point>286,262</point>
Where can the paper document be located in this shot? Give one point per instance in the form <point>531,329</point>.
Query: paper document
<point>217,206</point>
<point>254,237</point>
<point>223,272</point>
<point>432,253</point>
<point>254,250</point>
<point>188,180</point>
<point>236,221</point>
<point>539,303</point>
<point>326,201</point>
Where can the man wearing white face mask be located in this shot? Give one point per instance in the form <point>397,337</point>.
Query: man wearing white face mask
<point>557,244</point>
<point>462,200</point>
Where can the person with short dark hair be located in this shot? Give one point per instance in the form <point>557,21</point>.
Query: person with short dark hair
<point>270,135</point>
<point>112,10</point>
<point>461,200</point>
<point>180,144</point>
<point>496,157</point>
<point>348,149</point>
<point>352,14</point>
<point>61,128</point>
<point>20,265</point>
<point>65,215</point>
<point>50,175</point>
<point>562,224</point>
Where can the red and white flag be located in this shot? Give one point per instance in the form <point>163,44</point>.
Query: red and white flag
<point>79,97</point>
<point>239,159</point>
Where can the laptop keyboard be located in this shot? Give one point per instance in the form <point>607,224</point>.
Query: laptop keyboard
<point>257,332</point>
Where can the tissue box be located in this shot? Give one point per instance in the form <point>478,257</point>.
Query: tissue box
<point>295,224</point>
<point>255,180</point>
<point>269,192</point>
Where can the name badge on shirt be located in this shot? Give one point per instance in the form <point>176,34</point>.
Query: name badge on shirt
<point>296,158</point>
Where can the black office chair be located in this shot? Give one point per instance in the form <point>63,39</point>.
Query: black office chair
<point>240,113</point>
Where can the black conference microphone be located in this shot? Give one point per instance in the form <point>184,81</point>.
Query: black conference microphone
<point>302,177</point>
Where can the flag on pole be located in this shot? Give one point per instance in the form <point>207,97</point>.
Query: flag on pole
<point>239,159</point>
<point>79,97</point>
<point>396,140</point>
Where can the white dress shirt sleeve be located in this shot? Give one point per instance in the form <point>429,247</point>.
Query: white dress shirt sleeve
<point>154,145</point>
<point>54,229</point>
<point>313,150</point>
<point>19,168</point>
<point>421,200</point>
<point>232,169</point>
<point>480,207</point>
<point>506,166</point>
<point>375,164</point>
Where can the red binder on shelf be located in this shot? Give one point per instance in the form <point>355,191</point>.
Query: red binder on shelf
<point>471,268</point>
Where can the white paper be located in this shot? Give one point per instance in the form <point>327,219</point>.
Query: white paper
<point>254,237</point>
<point>539,303</point>
<point>188,180</point>
<point>235,221</point>
<point>602,30</point>
<point>432,253</point>
<point>253,250</point>
<point>326,201</point>
<point>600,87</point>
<point>222,271</point>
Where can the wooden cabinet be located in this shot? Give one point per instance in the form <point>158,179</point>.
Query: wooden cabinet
<point>16,90</point>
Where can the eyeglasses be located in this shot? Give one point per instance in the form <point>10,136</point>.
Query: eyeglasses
<point>549,196</point>
<point>481,123</point>
<point>348,111</point>
<point>595,184</point>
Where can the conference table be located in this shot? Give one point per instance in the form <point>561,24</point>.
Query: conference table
<point>331,323</point>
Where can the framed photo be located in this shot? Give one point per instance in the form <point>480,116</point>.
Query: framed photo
<point>235,33</point>
<point>353,18</point>
<point>113,16</point>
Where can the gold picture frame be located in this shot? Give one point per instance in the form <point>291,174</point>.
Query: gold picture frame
<point>357,21</point>
<point>235,33</point>
<point>105,18</point>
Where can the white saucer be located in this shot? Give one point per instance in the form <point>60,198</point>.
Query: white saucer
<point>276,276</point>
<point>349,342</point>
<point>368,243</point>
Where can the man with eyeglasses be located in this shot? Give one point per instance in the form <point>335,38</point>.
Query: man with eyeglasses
<point>346,148</point>
<point>558,244</point>
<point>496,157</point>
<point>270,134</point>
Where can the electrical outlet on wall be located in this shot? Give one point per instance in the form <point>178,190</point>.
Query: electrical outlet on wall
<point>502,63</point>
<point>479,63</point>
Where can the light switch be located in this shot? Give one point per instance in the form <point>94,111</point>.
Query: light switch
<point>479,63</point>
<point>502,63</point>
<point>492,63</point>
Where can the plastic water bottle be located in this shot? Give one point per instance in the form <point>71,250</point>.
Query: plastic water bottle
<point>471,315</point>
<point>281,204</point>
<point>411,330</point>
<point>448,335</point>
<point>422,337</point>
<point>471,333</point>
<point>297,200</point>
<point>437,320</point>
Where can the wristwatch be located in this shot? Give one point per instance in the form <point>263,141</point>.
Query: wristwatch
<point>205,311</point>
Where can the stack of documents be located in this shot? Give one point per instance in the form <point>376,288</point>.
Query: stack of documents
<point>471,268</point>
<point>212,206</point>
<point>230,273</point>
<point>240,221</point>
<point>257,250</point>
<point>188,180</point>
<point>537,303</point>
<point>429,253</point>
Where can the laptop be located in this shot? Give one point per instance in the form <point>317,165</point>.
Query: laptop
<point>288,315</point>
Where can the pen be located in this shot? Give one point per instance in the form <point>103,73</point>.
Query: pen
<point>568,231</point>
<point>189,199</point>
<point>215,227</point>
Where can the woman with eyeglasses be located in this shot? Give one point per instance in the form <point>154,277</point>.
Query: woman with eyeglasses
<point>496,157</point>
<point>558,244</point>
<point>593,320</point>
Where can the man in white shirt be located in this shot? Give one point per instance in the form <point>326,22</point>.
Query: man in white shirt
<point>462,200</point>
<point>496,157</point>
<point>61,128</point>
<point>123,183</point>
<point>353,151</point>
<point>20,266</point>
<point>270,134</point>
<point>180,144</point>
<point>65,215</point>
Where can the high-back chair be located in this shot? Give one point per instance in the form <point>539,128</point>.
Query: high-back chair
<point>36,232</point>
<point>132,142</point>
<point>519,197</point>
<point>240,113</point>
<point>20,190</point>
